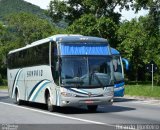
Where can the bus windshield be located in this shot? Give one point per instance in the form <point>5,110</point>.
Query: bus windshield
<point>86,71</point>
<point>117,67</point>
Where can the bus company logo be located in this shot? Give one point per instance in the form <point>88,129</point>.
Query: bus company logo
<point>34,73</point>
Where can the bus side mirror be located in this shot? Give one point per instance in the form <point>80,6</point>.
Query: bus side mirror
<point>126,63</point>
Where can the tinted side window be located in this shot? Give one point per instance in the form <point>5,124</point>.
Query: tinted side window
<point>54,59</point>
<point>38,55</point>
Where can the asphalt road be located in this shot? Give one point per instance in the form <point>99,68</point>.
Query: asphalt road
<point>125,113</point>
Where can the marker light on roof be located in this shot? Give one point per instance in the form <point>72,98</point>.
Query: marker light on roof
<point>83,38</point>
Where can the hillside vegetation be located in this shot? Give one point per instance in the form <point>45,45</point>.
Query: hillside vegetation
<point>16,6</point>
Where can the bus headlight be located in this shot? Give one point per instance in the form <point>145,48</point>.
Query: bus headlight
<point>109,91</point>
<point>68,94</point>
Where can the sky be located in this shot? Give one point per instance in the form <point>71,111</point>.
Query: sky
<point>126,15</point>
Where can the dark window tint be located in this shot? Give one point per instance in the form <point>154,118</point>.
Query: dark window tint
<point>38,55</point>
<point>54,60</point>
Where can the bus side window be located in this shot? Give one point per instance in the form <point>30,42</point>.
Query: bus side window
<point>54,60</point>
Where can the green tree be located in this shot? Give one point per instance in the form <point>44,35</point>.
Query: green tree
<point>2,33</point>
<point>70,10</point>
<point>21,29</point>
<point>138,45</point>
<point>152,28</point>
<point>132,37</point>
<point>16,6</point>
<point>29,27</point>
<point>90,25</point>
<point>153,23</point>
<point>3,49</point>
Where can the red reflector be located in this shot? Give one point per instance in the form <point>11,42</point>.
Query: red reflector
<point>88,102</point>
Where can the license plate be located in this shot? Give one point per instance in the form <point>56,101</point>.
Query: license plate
<point>88,102</point>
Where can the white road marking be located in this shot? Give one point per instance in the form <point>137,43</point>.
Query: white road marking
<point>58,115</point>
<point>67,117</point>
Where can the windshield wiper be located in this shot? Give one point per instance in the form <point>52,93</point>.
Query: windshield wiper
<point>97,78</point>
<point>101,84</point>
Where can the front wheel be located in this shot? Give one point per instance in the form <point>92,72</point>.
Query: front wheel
<point>18,101</point>
<point>50,107</point>
<point>92,108</point>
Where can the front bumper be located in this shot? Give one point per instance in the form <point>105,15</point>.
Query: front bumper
<point>74,101</point>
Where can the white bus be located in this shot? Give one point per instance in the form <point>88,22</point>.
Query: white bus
<point>62,70</point>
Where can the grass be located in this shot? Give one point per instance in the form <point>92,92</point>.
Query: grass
<point>143,90</point>
<point>3,87</point>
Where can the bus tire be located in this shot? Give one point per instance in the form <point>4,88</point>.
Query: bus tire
<point>50,107</point>
<point>18,101</point>
<point>92,108</point>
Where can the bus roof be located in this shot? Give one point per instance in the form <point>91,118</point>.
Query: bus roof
<point>64,38</point>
